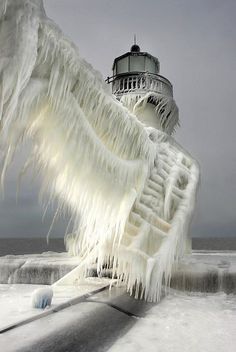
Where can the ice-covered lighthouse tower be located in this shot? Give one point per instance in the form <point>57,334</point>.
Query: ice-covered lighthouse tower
<point>136,82</point>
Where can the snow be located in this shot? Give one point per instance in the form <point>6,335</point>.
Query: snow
<point>183,323</point>
<point>178,323</point>
<point>15,300</point>
<point>129,189</point>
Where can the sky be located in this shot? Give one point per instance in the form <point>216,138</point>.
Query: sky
<point>195,44</point>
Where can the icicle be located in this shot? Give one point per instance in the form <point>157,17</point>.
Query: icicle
<point>165,108</point>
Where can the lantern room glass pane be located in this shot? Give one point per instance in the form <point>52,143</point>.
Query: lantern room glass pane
<point>151,66</point>
<point>122,65</point>
<point>137,63</point>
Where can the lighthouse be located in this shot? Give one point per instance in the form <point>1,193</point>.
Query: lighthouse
<point>137,83</point>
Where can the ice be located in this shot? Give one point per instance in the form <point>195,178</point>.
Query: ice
<point>15,303</point>
<point>183,323</point>
<point>44,268</point>
<point>166,109</point>
<point>129,189</point>
<point>15,300</point>
<point>206,271</point>
<point>42,298</point>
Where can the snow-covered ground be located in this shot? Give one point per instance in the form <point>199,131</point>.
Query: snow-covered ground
<point>15,300</point>
<point>181,322</point>
<point>184,323</point>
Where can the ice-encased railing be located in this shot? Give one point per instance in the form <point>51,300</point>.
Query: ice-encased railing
<point>94,157</point>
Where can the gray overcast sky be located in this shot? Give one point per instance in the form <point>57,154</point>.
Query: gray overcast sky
<point>195,43</point>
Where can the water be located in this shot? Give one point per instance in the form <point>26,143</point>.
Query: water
<point>30,245</point>
<point>214,244</point>
<point>38,245</point>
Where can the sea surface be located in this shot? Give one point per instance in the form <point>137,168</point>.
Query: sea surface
<point>39,245</point>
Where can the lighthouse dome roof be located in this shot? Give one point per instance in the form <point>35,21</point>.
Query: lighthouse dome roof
<point>135,48</point>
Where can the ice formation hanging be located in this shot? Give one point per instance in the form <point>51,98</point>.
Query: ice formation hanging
<point>130,190</point>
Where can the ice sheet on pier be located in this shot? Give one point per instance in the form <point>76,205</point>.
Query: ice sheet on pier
<point>130,190</point>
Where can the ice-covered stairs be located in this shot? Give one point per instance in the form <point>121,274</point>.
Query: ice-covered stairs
<point>150,219</point>
<point>156,230</point>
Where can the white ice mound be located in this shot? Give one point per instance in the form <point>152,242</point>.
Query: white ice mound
<point>130,192</point>
<point>42,298</point>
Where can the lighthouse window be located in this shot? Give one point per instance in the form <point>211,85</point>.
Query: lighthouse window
<point>122,65</point>
<point>150,66</point>
<point>137,63</point>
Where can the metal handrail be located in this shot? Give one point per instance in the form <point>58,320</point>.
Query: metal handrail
<point>110,79</point>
